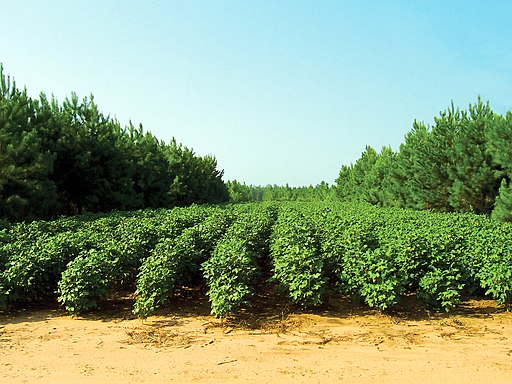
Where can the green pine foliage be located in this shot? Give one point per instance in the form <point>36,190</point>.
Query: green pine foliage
<point>498,146</point>
<point>462,163</point>
<point>25,165</point>
<point>240,192</point>
<point>194,179</point>
<point>474,175</point>
<point>70,158</point>
<point>503,207</point>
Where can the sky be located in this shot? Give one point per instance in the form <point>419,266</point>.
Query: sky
<point>278,91</point>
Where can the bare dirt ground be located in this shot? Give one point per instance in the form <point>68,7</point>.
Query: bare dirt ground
<point>271,343</point>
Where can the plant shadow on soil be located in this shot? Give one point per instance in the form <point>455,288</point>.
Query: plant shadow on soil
<point>268,310</point>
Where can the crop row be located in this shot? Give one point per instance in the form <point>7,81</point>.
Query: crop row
<point>307,251</point>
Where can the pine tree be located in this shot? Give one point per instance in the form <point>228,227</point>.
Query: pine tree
<point>474,176</point>
<point>93,167</point>
<point>499,147</point>
<point>344,183</point>
<point>377,179</point>
<point>26,193</point>
<point>351,179</point>
<point>151,179</point>
<point>421,169</point>
<point>194,179</point>
<point>503,207</point>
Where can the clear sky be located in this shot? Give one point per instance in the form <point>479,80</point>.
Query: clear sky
<point>278,91</point>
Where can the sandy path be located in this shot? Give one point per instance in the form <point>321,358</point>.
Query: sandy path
<point>46,346</point>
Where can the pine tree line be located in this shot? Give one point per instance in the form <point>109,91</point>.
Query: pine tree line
<point>241,192</point>
<point>60,159</point>
<point>463,163</point>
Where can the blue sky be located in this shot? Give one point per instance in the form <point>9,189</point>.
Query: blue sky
<point>278,91</point>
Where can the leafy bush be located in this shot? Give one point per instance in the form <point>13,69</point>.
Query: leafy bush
<point>298,266</point>
<point>176,261</point>
<point>233,267</point>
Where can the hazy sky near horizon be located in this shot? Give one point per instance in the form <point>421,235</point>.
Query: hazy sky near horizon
<point>278,91</point>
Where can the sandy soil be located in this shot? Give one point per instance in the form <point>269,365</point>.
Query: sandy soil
<point>269,344</point>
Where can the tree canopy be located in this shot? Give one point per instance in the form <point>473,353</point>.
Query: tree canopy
<point>60,159</point>
<point>462,163</point>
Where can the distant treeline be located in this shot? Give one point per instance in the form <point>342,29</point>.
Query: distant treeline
<point>61,159</point>
<point>240,192</point>
<point>462,163</point>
